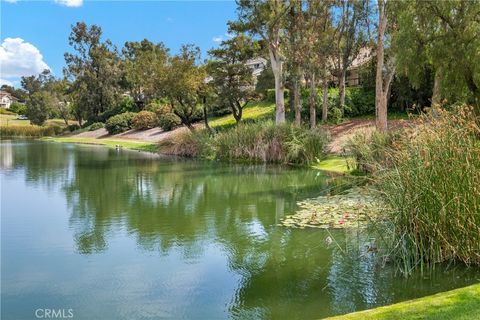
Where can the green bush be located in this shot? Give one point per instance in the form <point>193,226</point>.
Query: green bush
<point>145,120</point>
<point>358,102</point>
<point>18,108</point>
<point>73,127</point>
<point>126,105</point>
<point>168,121</point>
<point>120,123</point>
<point>95,126</point>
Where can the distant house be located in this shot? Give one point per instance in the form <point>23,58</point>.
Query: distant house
<point>257,65</point>
<point>358,64</point>
<point>6,99</point>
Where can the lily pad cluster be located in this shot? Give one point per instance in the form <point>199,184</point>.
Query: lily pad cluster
<point>352,209</point>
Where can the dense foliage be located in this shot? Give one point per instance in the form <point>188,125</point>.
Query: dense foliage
<point>120,123</point>
<point>145,120</point>
<point>168,121</point>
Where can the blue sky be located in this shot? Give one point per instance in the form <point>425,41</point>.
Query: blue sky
<point>43,28</point>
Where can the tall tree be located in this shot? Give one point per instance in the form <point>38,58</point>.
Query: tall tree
<point>296,49</point>
<point>445,35</point>
<point>319,36</point>
<point>267,20</point>
<point>184,84</point>
<point>351,36</point>
<point>230,76</point>
<point>144,68</point>
<point>385,71</point>
<point>93,69</point>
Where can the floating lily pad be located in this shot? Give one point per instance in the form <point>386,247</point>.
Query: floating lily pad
<point>352,209</point>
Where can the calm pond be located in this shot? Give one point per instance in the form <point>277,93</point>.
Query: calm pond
<point>126,235</point>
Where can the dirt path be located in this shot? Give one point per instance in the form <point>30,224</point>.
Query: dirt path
<point>342,133</point>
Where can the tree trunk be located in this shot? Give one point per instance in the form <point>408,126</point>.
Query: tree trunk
<point>297,104</point>
<point>436,98</point>
<point>341,88</point>
<point>277,68</point>
<point>381,87</point>
<point>205,119</point>
<point>325,100</point>
<point>313,101</point>
<point>237,111</point>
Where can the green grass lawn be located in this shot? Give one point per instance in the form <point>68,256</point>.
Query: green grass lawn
<point>255,111</point>
<point>459,304</point>
<point>111,143</point>
<point>336,164</point>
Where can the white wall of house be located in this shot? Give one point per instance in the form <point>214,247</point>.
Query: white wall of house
<point>5,102</point>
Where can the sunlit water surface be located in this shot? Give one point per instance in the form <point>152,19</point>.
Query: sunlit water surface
<point>116,234</point>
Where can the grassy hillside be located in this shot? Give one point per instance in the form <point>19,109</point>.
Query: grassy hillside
<point>255,111</point>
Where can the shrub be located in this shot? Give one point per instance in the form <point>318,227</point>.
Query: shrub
<point>126,105</point>
<point>158,108</point>
<point>95,126</point>
<point>168,121</point>
<point>433,189</point>
<point>17,107</point>
<point>120,123</point>
<point>73,127</point>
<point>145,120</point>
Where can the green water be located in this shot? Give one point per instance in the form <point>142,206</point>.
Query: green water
<point>126,235</point>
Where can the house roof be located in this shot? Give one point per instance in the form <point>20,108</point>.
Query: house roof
<point>7,94</point>
<point>257,60</point>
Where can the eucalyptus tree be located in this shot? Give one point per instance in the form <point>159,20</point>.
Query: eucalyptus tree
<point>230,76</point>
<point>296,50</point>
<point>385,70</point>
<point>319,35</point>
<point>144,68</point>
<point>267,19</point>
<point>184,84</point>
<point>351,35</point>
<point>93,68</point>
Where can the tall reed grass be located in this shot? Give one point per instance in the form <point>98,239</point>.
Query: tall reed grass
<point>431,182</point>
<point>29,131</point>
<point>262,142</point>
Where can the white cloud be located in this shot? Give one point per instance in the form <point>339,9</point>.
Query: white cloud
<point>217,39</point>
<point>11,1</point>
<point>70,3</point>
<point>5,81</point>
<point>19,58</point>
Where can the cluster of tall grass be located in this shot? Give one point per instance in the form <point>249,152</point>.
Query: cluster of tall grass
<point>262,142</point>
<point>429,177</point>
<point>433,189</point>
<point>29,131</point>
